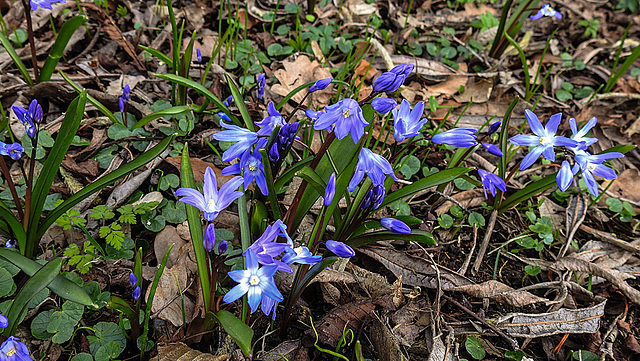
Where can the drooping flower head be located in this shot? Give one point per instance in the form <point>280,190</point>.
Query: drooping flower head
<point>407,122</point>
<point>544,140</point>
<point>209,239</point>
<point>213,200</point>
<point>44,4</point>
<point>330,191</point>
<point>457,137</point>
<point>340,249</point>
<point>320,84</point>
<point>133,280</point>
<point>4,321</point>
<point>390,81</point>
<point>14,150</point>
<point>546,10</point>
<point>383,105</point>
<point>591,165</point>
<point>241,138</point>
<point>300,255</point>
<point>395,225</point>
<point>251,167</point>
<point>254,281</point>
<point>492,148</point>
<point>14,350</point>
<point>261,82</point>
<point>373,199</point>
<point>267,249</point>
<point>268,123</point>
<point>490,182</point>
<point>29,117</point>
<point>347,117</point>
<point>285,138</point>
<point>580,136</point>
<point>136,293</point>
<point>374,165</point>
<point>124,98</point>
<point>198,55</point>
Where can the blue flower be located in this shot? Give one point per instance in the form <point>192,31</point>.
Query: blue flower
<point>330,191</point>
<point>14,350</point>
<point>490,182</point>
<point>124,98</point>
<point>546,10</point>
<point>285,138</point>
<point>268,123</point>
<point>241,138</point>
<point>251,167</point>
<point>14,150</point>
<point>544,140</point>
<point>11,243</point>
<point>136,293</point>
<point>300,255</point>
<point>590,164</point>
<point>45,4</point>
<point>407,122</point>
<point>494,127</point>
<point>492,148</point>
<point>267,249</point>
<point>228,101</point>
<point>580,135</point>
<point>390,81</point>
<point>224,116</point>
<point>347,117</point>
<point>457,137</point>
<point>209,240</point>
<point>564,176</point>
<point>222,246</point>
<point>255,282</point>
<point>261,82</point>
<point>320,84</point>
<point>395,225</point>
<point>383,105</point>
<point>198,55</point>
<point>313,115</point>
<point>29,117</point>
<point>373,199</point>
<point>376,167</point>
<point>213,200</point>
<point>340,249</point>
<point>4,321</point>
<point>133,280</point>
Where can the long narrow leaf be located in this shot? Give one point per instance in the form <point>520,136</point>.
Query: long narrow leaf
<point>162,113</point>
<point>107,113</point>
<point>236,329</point>
<point>57,51</point>
<point>16,227</point>
<point>100,183</point>
<point>195,227</point>
<point>16,59</point>
<point>198,88</point>
<point>441,177</point>
<point>158,54</point>
<point>417,236</point>
<point>248,122</point>
<point>528,192</point>
<point>68,130</point>
<point>60,285</point>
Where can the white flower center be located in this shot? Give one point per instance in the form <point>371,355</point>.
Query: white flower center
<point>211,204</point>
<point>591,167</point>
<point>254,281</point>
<point>298,250</point>
<point>253,167</point>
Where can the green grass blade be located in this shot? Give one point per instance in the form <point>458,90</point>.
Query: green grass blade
<point>60,285</point>
<point>100,183</point>
<point>158,54</point>
<point>527,192</point>
<point>239,332</point>
<point>195,227</point>
<point>57,51</point>
<point>202,90</point>
<point>16,59</point>
<point>248,122</point>
<point>152,293</point>
<point>16,227</point>
<point>39,281</point>
<point>417,236</point>
<point>623,69</point>
<point>68,130</point>
<point>90,99</point>
<point>162,113</point>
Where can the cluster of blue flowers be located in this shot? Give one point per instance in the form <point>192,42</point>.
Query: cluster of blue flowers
<point>133,282</point>
<point>44,4</point>
<point>546,10</point>
<point>30,119</point>
<point>12,349</point>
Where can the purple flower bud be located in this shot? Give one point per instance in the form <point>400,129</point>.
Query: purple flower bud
<point>565,176</point>
<point>494,127</point>
<point>340,249</point>
<point>457,137</point>
<point>228,100</point>
<point>126,93</point>
<point>320,84</point>
<point>35,110</point>
<point>224,116</point>
<point>330,191</point>
<point>209,241</point>
<point>492,148</point>
<point>222,247</point>
<point>122,104</point>
<point>390,81</point>
<point>12,243</point>
<point>133,280</point>
<point>4,321</point>
<point>136,293</point>
<point>274,155</point>
<point>261,82</point>
<point>383,105</point>
<point>198,55</point>
<point>395,225</point>
<point>373,199</point>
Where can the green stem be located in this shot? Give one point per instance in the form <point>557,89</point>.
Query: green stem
<point>34,58</point>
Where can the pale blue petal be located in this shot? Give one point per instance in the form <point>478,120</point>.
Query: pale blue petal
<point>534,123</point>
<point>531,157</point>
<point>238,291</point>
<point>526,140</point>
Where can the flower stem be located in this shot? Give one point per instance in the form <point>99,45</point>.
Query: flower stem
<point>12,187</point>
<point>34,59</point>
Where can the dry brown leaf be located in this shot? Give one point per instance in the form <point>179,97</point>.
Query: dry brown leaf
<point>500,292</point>
<point>479,91</point>
<point>180,352</point>
<point>627,185</point>
<point>297,71</point>
<point>199,167</point>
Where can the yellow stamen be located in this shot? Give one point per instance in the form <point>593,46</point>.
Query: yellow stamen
<point>11,352</point>
<point>345,113</point>
<point>254,281</point>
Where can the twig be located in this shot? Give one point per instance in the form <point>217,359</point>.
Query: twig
<point>485,243</point>
<point>511,341</point>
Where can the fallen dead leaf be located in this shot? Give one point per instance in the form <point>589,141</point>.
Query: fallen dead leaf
<point>297,71</point>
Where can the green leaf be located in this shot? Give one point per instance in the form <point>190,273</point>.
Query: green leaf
<point>109,351</point>
<point>60,285</point>
<point>174,212</point>
<point>410,166</point>
<point>169,181</point>
<point>476,219</point>
<point>40,280</point>
<point>106,332</point>
<point>527,192</point>
<point>239,332</point>
<point>441,177</point>
<point>6,283</point>
<point>16,59</point>
<point>198,88</point>
<point>57,51</point>
<point>445,221</point>
<point>83,356</point>
<point>563,95</point>
<point>615,205</point>
<point>62,323</point>
<point>474,348</point>
<point>40,323</point>
<point>585,356</point>
<point>102,212</point>
<point>400,207</point>
<point>90,99</point>
<point>415,235</point>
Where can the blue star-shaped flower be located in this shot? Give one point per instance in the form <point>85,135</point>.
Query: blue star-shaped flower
<point>591,165</point>
<point>580,136</point>
<point>45,4</point>
<point>241,138</point>
<point>347,117</point>
<point>374,165</point>
<point>546,10</point>
<point>269,122</point>
<point>407,122</point>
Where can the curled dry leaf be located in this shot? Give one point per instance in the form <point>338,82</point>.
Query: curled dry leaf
<point>180,352</point>
<point>500,292</point>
